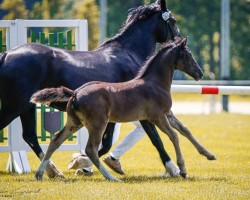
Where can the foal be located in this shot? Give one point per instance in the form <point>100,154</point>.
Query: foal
<point>147,96</point>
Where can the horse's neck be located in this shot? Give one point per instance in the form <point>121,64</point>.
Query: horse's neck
<point>161,72</point>
<point>137,41</point>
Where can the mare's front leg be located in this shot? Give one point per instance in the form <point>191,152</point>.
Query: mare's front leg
<point>176,124</point>
<point>152,133</point>
<point>163,124</point>
<point>96,130</point>
<point>55,143</point>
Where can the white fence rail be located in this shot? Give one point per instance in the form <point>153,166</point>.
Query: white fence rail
<point>204,89</point>
<point>16,33</point>
<point>213,82</point>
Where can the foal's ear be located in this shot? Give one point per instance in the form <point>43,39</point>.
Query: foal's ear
<point>184,42</point>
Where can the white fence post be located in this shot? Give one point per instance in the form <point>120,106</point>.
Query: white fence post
<point>18,161</point>
<point>16,34</point>
<point>81,36</point>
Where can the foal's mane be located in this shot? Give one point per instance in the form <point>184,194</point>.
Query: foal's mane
<point>154,58</point>
<point>135,15</point>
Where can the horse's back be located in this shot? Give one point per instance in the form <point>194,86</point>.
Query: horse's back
<point>24,64</point>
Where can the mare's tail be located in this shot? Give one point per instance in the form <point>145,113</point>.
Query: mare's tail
<point>51,95</point>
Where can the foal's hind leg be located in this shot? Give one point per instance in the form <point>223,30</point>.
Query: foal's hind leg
<point>30,136</point>
<point>163,124</point>
<point>96,131</point>
<point>175,123</point>
<point>55,143</point>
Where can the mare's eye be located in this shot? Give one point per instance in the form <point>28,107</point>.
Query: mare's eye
<point>182,55</point>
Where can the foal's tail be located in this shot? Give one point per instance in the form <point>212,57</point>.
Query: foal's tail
<point>50,95</point>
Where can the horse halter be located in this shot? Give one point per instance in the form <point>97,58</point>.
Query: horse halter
<point>166,16</point>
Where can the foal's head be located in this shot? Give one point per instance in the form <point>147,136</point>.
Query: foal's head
<point>185,61</point>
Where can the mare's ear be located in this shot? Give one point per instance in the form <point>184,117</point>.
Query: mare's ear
<point>162,3</point>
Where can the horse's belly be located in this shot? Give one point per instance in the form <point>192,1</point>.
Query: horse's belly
<point>127,114</point>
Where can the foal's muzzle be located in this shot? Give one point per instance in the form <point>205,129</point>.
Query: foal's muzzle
<point>198,75</point>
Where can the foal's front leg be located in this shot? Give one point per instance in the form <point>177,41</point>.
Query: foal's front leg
<point>163,124</point>
<point>55,143</point>
<point>176,124</point>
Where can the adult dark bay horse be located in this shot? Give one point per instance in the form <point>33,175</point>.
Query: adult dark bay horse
<point>31,67</point>
<point>96,103</point>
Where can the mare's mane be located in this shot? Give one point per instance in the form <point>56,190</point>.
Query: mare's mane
<point>154,58</point>
<point>135,15</point>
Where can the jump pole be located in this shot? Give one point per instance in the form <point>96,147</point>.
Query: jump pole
<point>204,89</point>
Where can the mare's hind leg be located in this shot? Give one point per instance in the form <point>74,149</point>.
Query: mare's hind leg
<point>55,143</point>
<point>163,124</point>
<point>175,123</point>
<point>29,135</point>
<point>7,114</point>
<point>107,139</point>
<point>96,131</point>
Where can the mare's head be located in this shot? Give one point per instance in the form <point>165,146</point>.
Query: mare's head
<point>184,60</point>
<point>157,14</point>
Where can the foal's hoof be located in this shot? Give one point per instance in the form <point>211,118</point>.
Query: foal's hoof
<point>114,180</point>
<point>184,174</point>
<point>211,158</point>
<point>39,175</point>
<point>117,180</point>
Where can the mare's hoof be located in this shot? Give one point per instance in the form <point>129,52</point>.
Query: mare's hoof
<point>166,175</point>
<point>212,158</point>
<point>184,174</point>
<point>172,169</point>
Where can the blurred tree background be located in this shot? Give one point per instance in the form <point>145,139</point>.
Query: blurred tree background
<point>197,19</point>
